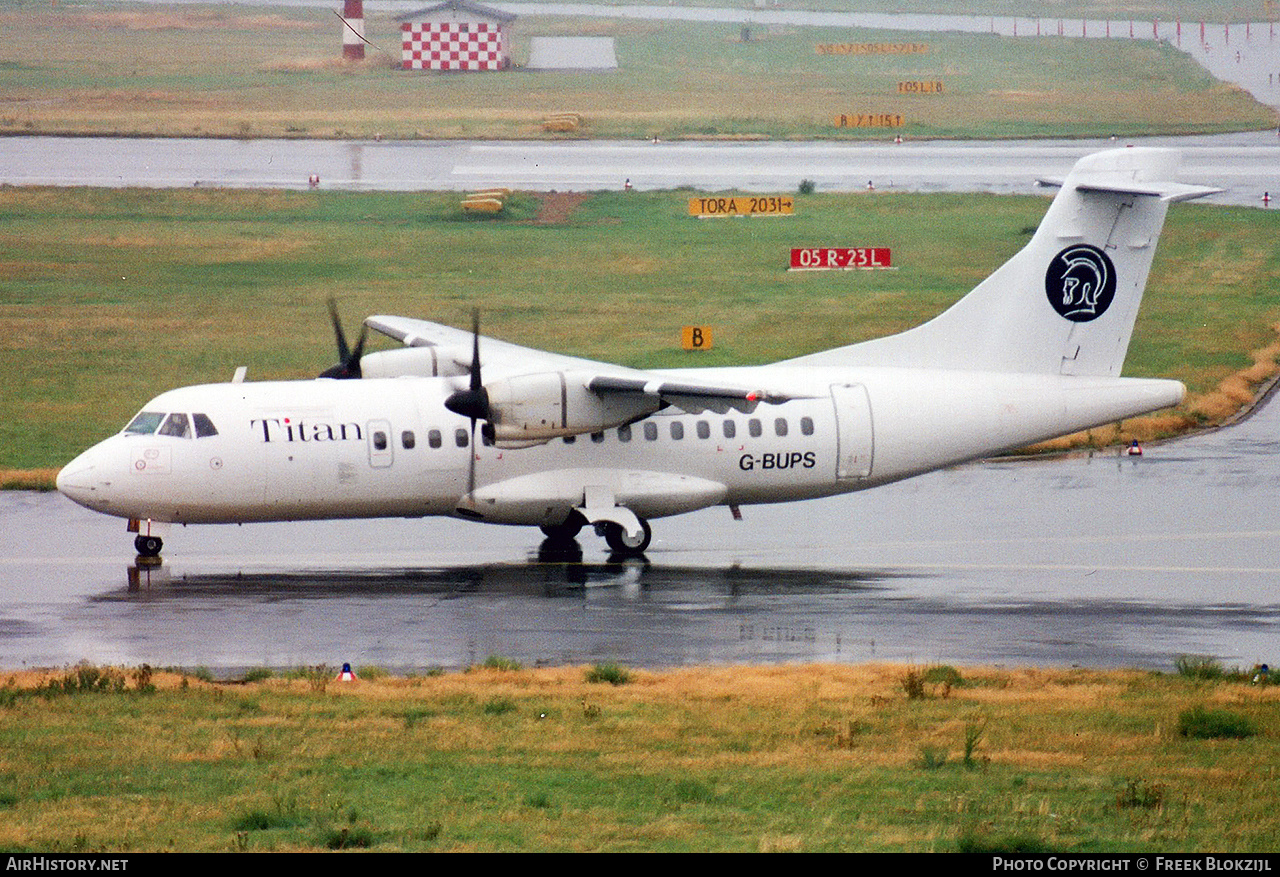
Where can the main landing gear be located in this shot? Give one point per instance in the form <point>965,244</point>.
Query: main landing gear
<point>622,543</point>
<point>615,534</point>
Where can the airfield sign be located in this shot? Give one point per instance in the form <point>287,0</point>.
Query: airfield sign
<point>840,258</point>
<point>743,205</point>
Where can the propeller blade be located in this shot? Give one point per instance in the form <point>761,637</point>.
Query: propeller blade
<point>343,352</point>
<point>472,402</point>
<point>471,470</point>
<point>475,349</point>
<point>348,365</point>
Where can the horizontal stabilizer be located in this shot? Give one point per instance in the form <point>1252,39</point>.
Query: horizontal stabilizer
<point>1165,191</point>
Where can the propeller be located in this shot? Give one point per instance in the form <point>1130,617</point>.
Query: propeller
<point>473,402</point>
<point>348,360</point>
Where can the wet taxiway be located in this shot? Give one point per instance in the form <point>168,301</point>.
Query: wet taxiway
<point>1102,560</point>
<point>1242,165</point>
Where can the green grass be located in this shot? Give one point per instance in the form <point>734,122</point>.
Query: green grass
<point>732,759</point>
<point>1214,724</point>
<point>275,72</point>
<point>109,297</point>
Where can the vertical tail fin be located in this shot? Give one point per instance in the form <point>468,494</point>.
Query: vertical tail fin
<point>1066,303</point>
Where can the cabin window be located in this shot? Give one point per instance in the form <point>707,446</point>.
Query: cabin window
<point>677,430</point>
<point>704,429</point>
<point>434,439</point>
<point>204,426</point>
<point>730,428</point>
<point>408,440</point>
<point>806,425</point>
<point>651,431</point>
<point>176,425</point>
<point>624,433</point>
<point>597,437</point>
<point>460,437</point>
<point>753,427</point>
<point>145,423</point>
<point>780,426</point>
<point>379,440</point>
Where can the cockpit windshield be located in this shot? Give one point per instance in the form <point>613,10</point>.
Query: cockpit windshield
<point>145,423</point>
<point>177,425</point>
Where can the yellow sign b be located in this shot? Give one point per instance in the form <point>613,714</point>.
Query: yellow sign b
<point>695,337</point>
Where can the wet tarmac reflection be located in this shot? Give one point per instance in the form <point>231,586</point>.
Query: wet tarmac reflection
<point>1099,560</point>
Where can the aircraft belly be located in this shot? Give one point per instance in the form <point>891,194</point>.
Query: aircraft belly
<point>546,497</point>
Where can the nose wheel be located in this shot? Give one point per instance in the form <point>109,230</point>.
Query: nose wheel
<point>148,546</point>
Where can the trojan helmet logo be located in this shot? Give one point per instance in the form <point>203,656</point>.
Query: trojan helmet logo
<point>1080,283</point>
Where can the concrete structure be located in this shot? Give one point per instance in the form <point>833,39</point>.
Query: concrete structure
<point>455,35</point>
<point>572,53</point>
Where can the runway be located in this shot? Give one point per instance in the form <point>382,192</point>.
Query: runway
<point>1102,560</point>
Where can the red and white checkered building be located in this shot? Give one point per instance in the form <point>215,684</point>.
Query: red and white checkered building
<point>455,35</point>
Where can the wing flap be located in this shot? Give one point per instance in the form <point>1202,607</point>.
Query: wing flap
<point>688,397</point>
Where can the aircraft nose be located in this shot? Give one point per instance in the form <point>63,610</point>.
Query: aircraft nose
<point>75,481</point>
<point>85,480</point>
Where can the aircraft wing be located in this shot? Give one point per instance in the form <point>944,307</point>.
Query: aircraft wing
<point>604,379</point>
<point>500,356</point>
<point>691,397</point>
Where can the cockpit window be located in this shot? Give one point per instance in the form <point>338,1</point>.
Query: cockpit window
<point>177,425</point>
<point>204,426</point>
<point>145,423</point>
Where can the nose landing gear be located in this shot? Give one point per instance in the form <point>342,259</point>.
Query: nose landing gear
<point>148,546</point>
<point>148,540</point>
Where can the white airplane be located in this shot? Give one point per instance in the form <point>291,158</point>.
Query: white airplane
<point>1033,352</point>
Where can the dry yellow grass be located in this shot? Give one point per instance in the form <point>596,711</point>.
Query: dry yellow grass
<point>1234,395</point>
<point>799,757</point>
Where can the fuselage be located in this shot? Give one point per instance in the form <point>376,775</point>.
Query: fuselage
<point>299,450</point>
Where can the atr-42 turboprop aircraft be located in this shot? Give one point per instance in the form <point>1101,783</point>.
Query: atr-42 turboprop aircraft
<point>1033,352</point>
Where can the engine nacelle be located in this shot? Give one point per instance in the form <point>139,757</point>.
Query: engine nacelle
<point>549,405</point>
<point>420,362</point>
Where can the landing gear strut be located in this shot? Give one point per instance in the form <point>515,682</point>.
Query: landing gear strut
<point>148,546</point>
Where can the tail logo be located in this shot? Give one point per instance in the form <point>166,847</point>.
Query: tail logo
<point>1080,283</point>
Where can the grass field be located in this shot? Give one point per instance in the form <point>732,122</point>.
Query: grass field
<point>108,297</point>
<point>276,72</point>
<point>800,758</point>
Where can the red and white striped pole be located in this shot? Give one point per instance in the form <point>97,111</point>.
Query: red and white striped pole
<point>353,29</point>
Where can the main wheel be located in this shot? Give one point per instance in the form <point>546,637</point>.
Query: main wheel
<point>148,546</point>
<point>564,532</point>
<point>619,541</point>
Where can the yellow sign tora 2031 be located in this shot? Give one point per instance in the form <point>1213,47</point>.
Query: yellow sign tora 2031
<point>695,337</point>
<point>742,205</point>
